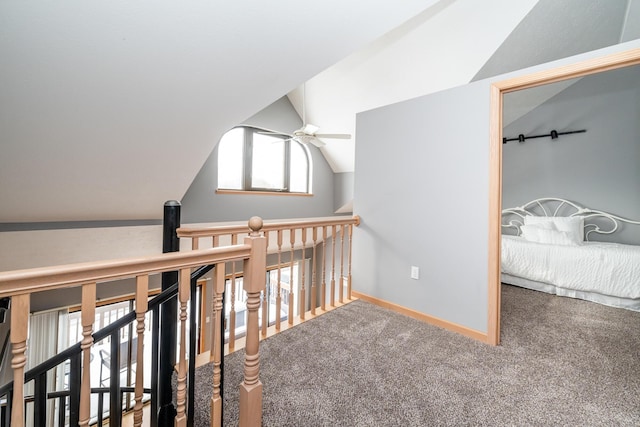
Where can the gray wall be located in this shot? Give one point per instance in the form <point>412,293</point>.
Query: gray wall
<point>342,189</point>
<point>430,207</point>
<point>599,169</point>
<point>202,204</point>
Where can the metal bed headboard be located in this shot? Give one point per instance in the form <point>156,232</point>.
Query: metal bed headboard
<point>552,206</point>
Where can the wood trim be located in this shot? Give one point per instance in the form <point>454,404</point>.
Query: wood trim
<point>495,205</point>
<point>578,69</point>
<point>432,320</point>
<point>571,71</point>
<point>262,193</point>
<point>192,232</point>
<point>64,276</point>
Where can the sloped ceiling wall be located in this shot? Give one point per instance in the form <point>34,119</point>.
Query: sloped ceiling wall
<point>107,109</point>
<point>441,48</point>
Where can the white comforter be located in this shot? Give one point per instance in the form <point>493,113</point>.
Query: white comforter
<point>605,268</point>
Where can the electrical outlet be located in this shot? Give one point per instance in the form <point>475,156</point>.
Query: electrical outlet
<point>415,272</point>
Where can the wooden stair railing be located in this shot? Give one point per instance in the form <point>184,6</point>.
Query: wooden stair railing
<point>288,243</point>
<point>19,285</point>
<point>72,356</point>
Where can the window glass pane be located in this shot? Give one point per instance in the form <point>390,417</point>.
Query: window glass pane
<point>230,159</point>
<point>267,162</point>
<point>299,175</point>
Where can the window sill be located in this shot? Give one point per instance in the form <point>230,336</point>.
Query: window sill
<point>263,193</point>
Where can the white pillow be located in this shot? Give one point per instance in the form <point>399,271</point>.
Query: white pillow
<point>544,222</point>
<point>535,233</point>
<point>573,225</point>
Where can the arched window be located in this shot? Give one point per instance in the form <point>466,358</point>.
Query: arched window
<point>252,159</point>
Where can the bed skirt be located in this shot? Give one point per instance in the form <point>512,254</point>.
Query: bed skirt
<point>626,303</point>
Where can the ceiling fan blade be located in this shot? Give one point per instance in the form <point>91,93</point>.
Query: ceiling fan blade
<point>334,135</point>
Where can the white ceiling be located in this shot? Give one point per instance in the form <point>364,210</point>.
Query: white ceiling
<point>107,109</point>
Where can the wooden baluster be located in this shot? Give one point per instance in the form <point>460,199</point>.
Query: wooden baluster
<point>217,343</point>
<point>232,298</point>
<point>313,271</point>
<point>278,294</point>
<point>184,291</point>
<point>142,297</point>
<point>303,297</point>
<point>341,263</point>
<point>195,243</point>
<point>215,242</point>
<point>254,282</point>
<point>20,307</point>
<point>265,300</point>
<point>292,240</point>
<point>323,289</point>
<point>349,268</point>
<point>88,317</point>
<point>333,266</point>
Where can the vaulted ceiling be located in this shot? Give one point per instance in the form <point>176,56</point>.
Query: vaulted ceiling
<point>107,109</point>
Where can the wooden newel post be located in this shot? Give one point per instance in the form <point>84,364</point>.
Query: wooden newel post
<point>254,283</point>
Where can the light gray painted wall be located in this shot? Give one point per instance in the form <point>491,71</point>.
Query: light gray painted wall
<point>342,189</point>
<point>279,116</point>
<point>599,169</point>
<point>430,207</point>
<point>202,204</point>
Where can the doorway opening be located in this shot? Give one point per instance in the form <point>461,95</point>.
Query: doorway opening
<point>498,89</point>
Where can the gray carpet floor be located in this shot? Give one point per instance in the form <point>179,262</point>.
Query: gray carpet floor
<point>561,362</point>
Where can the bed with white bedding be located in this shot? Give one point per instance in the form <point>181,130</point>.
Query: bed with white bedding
<point>550,251</point>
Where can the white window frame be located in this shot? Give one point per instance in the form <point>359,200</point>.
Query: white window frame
<point>247,160</point>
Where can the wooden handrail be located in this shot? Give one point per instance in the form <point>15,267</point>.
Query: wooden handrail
<point>191,232</point>
<point>20,282</point>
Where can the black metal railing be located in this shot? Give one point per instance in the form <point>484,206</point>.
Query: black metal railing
<point>68,400</point>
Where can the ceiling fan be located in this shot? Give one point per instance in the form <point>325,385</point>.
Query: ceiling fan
<point>307,134</point>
